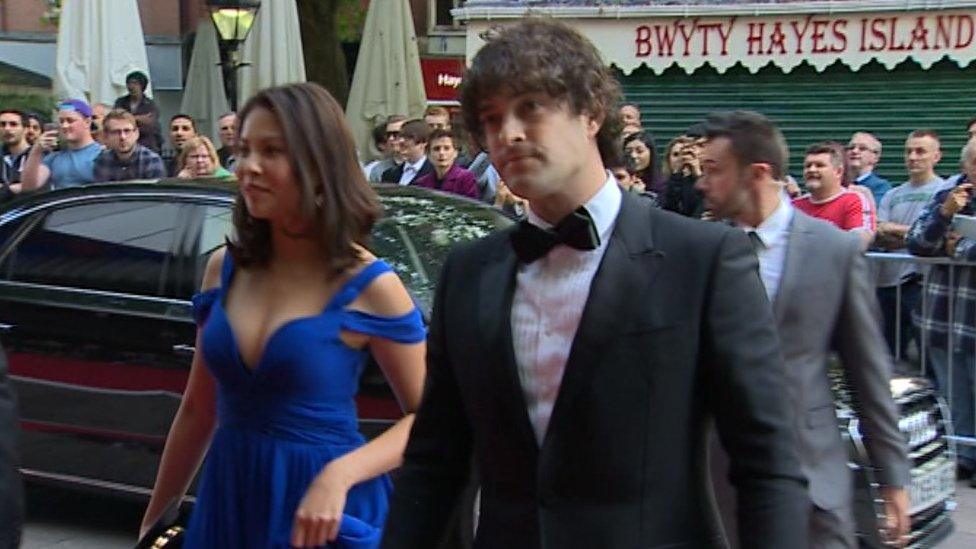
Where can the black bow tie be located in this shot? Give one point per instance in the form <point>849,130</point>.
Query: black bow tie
<point>576,230</point>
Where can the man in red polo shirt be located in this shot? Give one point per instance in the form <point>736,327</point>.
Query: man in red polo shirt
<point>823,172</point>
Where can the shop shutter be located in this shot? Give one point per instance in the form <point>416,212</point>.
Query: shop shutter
<point>810,106</point>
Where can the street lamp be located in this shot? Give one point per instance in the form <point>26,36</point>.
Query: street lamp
<point>233,20</point>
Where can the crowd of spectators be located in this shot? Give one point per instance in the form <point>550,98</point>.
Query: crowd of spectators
<point>101,143</point>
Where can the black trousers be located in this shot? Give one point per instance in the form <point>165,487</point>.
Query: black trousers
<point>911,293</point>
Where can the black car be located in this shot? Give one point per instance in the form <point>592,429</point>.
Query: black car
<point>923,418</point>
<point>95,284</point>
<point>95,287</point>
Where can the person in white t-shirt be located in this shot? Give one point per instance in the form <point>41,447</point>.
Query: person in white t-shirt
<point>899,208</point>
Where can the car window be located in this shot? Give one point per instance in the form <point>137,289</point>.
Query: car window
<point>119,246</point>
<point>7,230</point>
<point>215,228</point>
<point>414,235</point>
<point>419,229</point>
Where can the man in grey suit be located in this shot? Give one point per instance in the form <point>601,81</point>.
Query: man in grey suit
<point>817,281</point>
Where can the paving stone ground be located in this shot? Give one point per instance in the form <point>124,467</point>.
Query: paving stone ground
<point>59,519</point>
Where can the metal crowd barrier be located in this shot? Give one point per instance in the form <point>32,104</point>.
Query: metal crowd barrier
<point>925,263</point>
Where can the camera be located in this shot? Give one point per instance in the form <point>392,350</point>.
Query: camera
<point>53,127</point>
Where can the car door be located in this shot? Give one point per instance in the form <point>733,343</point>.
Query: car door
<point>418,228</point>
<point>208,226</point>
<point>90,340</point>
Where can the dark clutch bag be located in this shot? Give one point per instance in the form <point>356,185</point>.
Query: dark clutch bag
<point>168,531</point>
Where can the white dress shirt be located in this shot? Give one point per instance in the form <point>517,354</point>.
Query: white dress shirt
<point>549,297</point>
<point>411,170</point>
<point>773,232</point>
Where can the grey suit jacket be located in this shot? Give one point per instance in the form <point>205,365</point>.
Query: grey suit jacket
<point>826,302</point>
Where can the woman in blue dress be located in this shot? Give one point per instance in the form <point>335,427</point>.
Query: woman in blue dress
<point>285,316</point>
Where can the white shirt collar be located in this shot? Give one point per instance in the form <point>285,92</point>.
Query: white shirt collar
<point>603,207</point>
<point>863,176</point>
<point>416,165</point>
<point>774,225</point>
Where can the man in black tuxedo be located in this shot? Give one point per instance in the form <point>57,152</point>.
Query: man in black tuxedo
<point>579,355</point>
<point>412,143</point>
<point>11,495</point>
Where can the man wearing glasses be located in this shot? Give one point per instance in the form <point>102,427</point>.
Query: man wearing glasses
<point>393,157</point>
<point>124,159</point>
<point>863,154</point>
<point>411,146</point>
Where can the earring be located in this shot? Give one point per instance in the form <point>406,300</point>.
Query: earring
<point>318,200</point>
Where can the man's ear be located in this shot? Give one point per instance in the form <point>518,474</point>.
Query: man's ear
<point>594,122</point>
<point>760,172</point>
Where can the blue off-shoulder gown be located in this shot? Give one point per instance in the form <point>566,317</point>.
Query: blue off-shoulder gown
<point>282,422</point>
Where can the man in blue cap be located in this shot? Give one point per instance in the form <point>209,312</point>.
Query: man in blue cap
<point>70,162</point>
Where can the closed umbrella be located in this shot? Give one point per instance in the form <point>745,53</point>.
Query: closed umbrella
<point>387,79</point>
<point>273,49</point>
<point>99,43</point>
<point>203,96</point>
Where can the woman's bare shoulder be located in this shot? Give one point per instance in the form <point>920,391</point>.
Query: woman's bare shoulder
<point>385,295</point>
<point>215,264</point>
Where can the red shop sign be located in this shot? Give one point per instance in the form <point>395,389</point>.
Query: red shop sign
<point>442,77</point>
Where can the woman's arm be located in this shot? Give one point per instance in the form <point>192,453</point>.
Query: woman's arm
<point>320,512</point>
<point>189,437</point>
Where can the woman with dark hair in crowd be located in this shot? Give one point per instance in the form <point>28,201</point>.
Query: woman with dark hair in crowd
<point>286,316</point>
<point>641,157</point>
<point>683,165</point>
<point>672,156</point>
<point>628,180</point>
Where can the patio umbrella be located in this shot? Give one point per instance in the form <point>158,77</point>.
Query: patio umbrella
<point>203,96</point>
<point>99,43</point>
<point>387,79</point>
<point>273,49</point>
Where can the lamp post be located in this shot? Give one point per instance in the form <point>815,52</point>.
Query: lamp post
<point>233,20</point>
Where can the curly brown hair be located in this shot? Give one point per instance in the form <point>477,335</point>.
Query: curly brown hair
<point>334,192</point>
<point>543,55</point>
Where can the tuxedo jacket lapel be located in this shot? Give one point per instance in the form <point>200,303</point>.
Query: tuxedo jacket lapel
<point>629,264</point>
<point>496,288</point>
